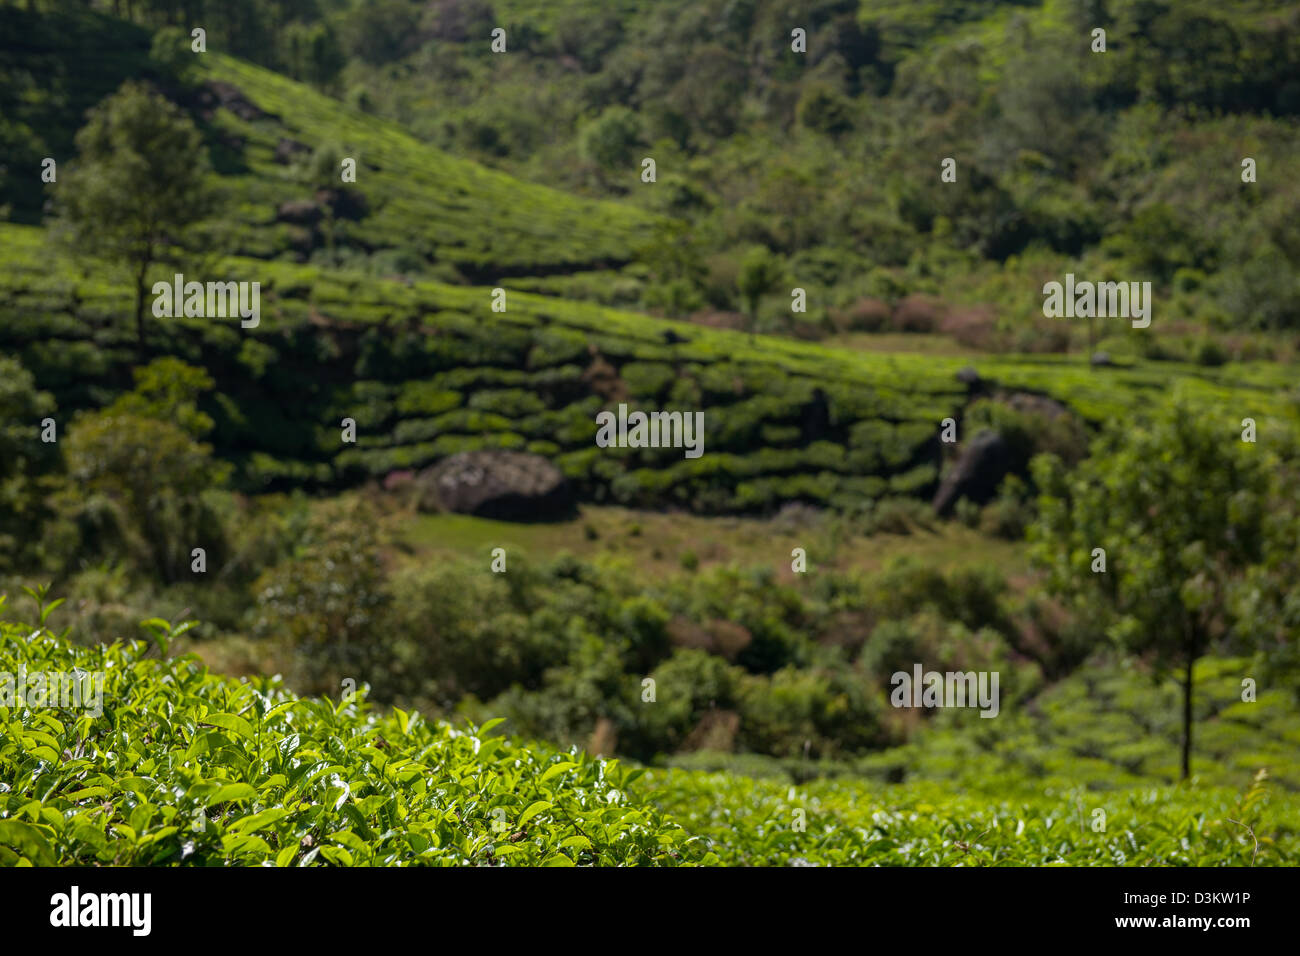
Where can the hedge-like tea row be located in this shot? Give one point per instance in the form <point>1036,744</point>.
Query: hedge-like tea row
<point>848,822</point>
<point>184,767</point>
<point>427,370</point>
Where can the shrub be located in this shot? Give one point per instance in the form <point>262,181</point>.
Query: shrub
<point>1006,518</point>
<point>610,141</point>
<point>864,315</point>
<point>327,600</point>
<point>1010,513</point>
<point>158,478</point>
<point>1211,354</point>
<point>974,328</point>
<point>810,713</point>
<point>688,685</point>
<point>144,796</point>
<point>916,313</point>
<point>898,516</point>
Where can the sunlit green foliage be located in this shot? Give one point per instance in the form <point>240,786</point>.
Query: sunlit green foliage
<point>184,767</point>
<point>752,822</point>
<point>1178,508</point>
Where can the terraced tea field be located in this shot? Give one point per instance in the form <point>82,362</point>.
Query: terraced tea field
<point>427,370</point>
<point>417,198</point>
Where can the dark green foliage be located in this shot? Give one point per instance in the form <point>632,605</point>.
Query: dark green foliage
<point>610,141</point>
<point>29,465</point>
<point>140,458</point>
<point>1179,507</point>
<point>137,188</point>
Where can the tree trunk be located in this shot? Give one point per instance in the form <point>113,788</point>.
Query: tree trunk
<point>1187,715</point>
<point>141,274</point>
<point>139,319</point>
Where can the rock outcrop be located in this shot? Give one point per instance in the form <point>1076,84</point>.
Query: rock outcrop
<point>492,483</point>
<point>984,462</point>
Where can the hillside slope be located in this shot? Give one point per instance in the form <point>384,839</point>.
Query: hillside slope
<point>417,198</point>
<point>427,370</point>
<point>263,132</point>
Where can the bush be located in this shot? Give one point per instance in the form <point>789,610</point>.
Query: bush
<point>610,141</point>
<point>193,799</point>
<point>1006,518</point>
<point>688,685</point>
<point>975,328</point>
<point>29,467</point>
<point>1211,354</point>
<point>809,713</point>
<point>917,313</point>
<point>327,601</point>
<point>160,481</point>
<point>864,315</point>
<point>444,647</point>
<point>898,516</point>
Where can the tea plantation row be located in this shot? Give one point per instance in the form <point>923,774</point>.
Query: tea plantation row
<point>427,370</point>
<point>184,767</point>
<point>187,767</point>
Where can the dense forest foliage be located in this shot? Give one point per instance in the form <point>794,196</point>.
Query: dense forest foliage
<point>1123,163</point>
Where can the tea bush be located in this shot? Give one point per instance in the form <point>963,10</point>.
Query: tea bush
<point>999,822</point>
<point>182,767</point>
<point>187,768</point>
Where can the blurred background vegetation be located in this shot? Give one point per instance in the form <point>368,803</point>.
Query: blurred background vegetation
<point>774,170</point>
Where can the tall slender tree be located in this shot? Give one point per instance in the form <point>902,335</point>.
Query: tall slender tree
<point>139,184</point>
<point>759,274</point>
<point>1177,506</point>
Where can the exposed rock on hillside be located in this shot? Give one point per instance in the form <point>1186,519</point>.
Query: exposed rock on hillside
<point>983,464</point>
<point>491,483</point>
<point>218,93</point>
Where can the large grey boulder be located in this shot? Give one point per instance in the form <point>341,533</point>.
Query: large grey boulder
<point>1028,403</point>
<point>492,483</point>
<point>984,462</point>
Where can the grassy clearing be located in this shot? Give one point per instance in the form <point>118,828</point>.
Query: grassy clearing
<point>657,542</point>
